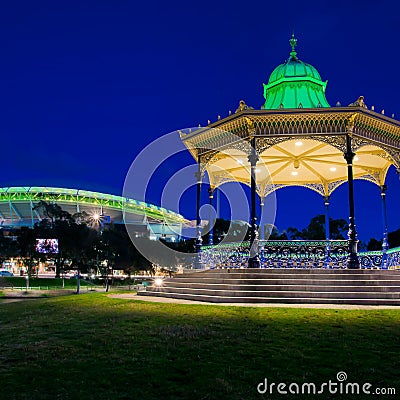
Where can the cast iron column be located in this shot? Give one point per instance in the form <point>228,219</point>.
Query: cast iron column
<point>253,158</point>
<point>327,233</point>
<point>198,220</point>
<point>261,230</point>
<point>385,244</point>
<point>352,259</point>
<point>211,223</point>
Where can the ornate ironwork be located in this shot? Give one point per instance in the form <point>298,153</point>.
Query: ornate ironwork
<point>357,143</point>
<point>337,141</point>
<point>393,258</point>
<point>300,123</point>
<point>373,259</point>
<point>322,123</point>
<point>293,254</point>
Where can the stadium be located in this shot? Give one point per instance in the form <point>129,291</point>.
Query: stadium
<point>17,210</point>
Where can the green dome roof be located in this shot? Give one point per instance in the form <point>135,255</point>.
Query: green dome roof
<point>295,84</point>
<point>292,68</point>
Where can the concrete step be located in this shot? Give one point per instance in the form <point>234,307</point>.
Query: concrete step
<point>326,286</point>
<point>280,293</point>
<point>285,281</point>
<point>284,285</point>
<point>283,300</point>
<point>299,275</point>
<point>307,271</point>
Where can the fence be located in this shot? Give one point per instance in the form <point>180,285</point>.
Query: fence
<point>293,254</point>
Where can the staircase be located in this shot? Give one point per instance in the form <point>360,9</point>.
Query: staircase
<point>312,286</point>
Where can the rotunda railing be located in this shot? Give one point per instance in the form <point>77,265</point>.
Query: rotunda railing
<point>293,254</point>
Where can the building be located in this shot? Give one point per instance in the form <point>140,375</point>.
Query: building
<point>17,210</point>
<point>297,139</point>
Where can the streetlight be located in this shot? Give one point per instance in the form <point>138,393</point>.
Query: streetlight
<point>158,282</point>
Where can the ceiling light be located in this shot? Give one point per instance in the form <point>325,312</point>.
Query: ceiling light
<point>299,143</point>
<point>333,169</point>
<point>356,158</point>
<point>241,162</point>
<point>294,173</point>
<point>258,170</point>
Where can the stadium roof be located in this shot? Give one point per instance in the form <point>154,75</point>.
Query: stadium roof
<point>16,205</point>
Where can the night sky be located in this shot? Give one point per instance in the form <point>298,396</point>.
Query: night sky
<point>85,85</point>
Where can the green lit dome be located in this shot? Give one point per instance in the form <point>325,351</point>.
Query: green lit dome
<point>293,68</point>
<point>295,84</point>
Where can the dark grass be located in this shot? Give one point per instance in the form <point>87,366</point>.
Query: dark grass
<point>95,347</point>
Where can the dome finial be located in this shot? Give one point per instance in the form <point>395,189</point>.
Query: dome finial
<point>293,43</point>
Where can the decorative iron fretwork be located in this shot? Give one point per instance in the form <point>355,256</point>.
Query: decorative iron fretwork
<point>393,258</point>
<point>358,142</point>
<point>337,141</point>
<point>373,178</point>
<point>391,155</point>
<point>242,145</point>
<point>293,254</point>
<point>277,253</point>
<point>223,177</point>
<point>300,123</point>
<point>302,253</point>
<point>264,143</point>
<point>334,185</point>
<point>266,189</point>
<point>377,130</point>
<point>211,156</point>
<point>333,122</point>
<point>317,187</point>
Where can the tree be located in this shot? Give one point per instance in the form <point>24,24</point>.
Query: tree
<point>52,211</point>
<point>56,224</point>
<point>316,229</point>
<point>276,235</point>
<point>26,243</point>
<point>223,229</point>
<point>394,238</point>
<point>374,245</point>
<point>8,248</point>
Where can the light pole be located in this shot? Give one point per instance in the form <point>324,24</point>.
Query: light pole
<point>78,281</point>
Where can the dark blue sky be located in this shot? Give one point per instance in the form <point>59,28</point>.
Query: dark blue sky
<point>85,85</point>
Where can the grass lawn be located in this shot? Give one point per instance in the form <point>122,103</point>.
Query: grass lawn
<point>94,347</point>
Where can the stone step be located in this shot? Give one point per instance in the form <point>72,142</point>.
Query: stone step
<point>294,285</point>
<point>283,300</point>
<point>284,281</point>
<point>284,285</point>
<point>291,271</point>
<point>279,293</point>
